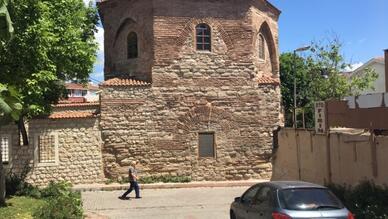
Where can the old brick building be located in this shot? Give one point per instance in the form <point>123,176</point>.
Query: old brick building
<point>192,87</point>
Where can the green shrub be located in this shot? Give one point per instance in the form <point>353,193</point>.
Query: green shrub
<point>16,185</point>
<point>61,202</point>
<point>165,179</point>
<point>366,200</point>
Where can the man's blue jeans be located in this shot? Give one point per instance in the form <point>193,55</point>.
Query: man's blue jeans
<point>133,186</point>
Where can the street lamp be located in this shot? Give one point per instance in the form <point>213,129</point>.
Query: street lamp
<point>301,49</point>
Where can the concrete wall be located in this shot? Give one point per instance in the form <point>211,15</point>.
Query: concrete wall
<point>79,151</point>
<point>340,158</point>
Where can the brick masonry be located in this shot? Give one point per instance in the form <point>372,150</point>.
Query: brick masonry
<point>191,91</point>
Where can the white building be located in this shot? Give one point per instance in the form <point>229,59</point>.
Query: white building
<point>82,93</point>
<point>379,66</point>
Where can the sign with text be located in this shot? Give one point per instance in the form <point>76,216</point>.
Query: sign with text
<point>320,117</point>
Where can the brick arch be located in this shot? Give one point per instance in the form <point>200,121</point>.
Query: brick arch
<point>265,31</point>
<point>127,21</point>
<point>189,29</point>
<point>206,115</point>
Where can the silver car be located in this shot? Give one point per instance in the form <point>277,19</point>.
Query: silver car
<point>288,200</point>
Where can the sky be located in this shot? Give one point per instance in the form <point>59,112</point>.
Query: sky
<point>361,25</point>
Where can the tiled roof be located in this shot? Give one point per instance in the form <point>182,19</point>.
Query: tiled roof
<point>268,80</point>
<point>77,104</point>
<point>117,82</point>
<point>71,115</point>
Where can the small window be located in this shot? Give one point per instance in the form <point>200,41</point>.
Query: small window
<point>261,47</point>
<point>4,141</point>
<point>46,147</point>
<point>203,37</point>
<point>132,50</point>
<point>206,145</point>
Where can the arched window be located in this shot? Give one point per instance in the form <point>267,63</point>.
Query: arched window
<point>203,35</point>
<point>132,45</point>
<point>261,47</point>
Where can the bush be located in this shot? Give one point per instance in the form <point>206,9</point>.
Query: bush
<point>61,202</point>
<point>366,200</point>
<point>16,185</point>
<point>165,179</point>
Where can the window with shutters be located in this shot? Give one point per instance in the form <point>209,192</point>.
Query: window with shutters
<point>206,145</point>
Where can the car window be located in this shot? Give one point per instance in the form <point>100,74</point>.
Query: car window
<point>250,194</point>
<point>264,197</point>
<point>309,199</point>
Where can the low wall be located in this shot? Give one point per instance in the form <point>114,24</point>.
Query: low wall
<point>335,158</point>
<point>78,151</point>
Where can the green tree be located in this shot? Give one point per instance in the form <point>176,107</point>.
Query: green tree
<point>6,28</point>
<point>10,106</point>
<point>319,77</point>
<point>53,42</point>
<point>10,109</point>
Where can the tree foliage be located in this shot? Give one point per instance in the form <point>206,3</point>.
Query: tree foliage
<point>6,28</point>
<point>53,42</point>
<point>319,77</point>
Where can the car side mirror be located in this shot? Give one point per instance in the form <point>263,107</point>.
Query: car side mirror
<point>238,199</point>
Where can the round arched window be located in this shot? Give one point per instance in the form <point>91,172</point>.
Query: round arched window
<point>203,36</point>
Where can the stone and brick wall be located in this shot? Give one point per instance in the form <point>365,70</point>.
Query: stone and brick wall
<point>219,91</point>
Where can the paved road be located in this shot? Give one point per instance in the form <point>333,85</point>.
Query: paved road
<point>193,203</point>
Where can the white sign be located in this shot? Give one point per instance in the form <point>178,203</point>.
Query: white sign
<point>320,117</point>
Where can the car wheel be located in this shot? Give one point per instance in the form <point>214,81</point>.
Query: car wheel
<point>232,215</point>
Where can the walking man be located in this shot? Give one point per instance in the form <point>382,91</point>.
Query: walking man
<point>133,177</point>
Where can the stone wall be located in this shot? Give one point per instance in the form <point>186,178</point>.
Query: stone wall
<point>159,127</point>
<point>79,151</point>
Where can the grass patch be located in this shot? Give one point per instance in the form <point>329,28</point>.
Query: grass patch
<point>20,208</point>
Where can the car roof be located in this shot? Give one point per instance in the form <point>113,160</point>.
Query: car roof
<point>292,184</point>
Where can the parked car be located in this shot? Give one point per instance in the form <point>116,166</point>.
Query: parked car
<point>288,200</point>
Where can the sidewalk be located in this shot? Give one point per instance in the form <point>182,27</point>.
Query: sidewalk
<point>204,184</point>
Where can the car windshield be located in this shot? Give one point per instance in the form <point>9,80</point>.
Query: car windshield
<point>306,199</point>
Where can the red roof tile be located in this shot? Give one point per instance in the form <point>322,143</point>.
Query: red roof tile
<point>71,115</point>
<point>77,104</point>
<point>117,82</point>
<point>268,80</point>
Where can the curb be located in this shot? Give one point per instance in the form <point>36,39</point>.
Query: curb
<point>116,186</point>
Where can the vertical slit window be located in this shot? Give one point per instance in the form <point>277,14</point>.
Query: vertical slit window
<point>203,37</point>
<point>132,47</point>
<point>261,47</point>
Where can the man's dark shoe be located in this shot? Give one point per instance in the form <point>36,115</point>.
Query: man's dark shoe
<point>138,197</point>
<point>123,198</point>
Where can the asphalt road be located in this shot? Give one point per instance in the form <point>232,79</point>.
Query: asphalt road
<point>192,203</point>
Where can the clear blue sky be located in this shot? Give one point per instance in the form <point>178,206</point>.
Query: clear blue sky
<point>362,26</point>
